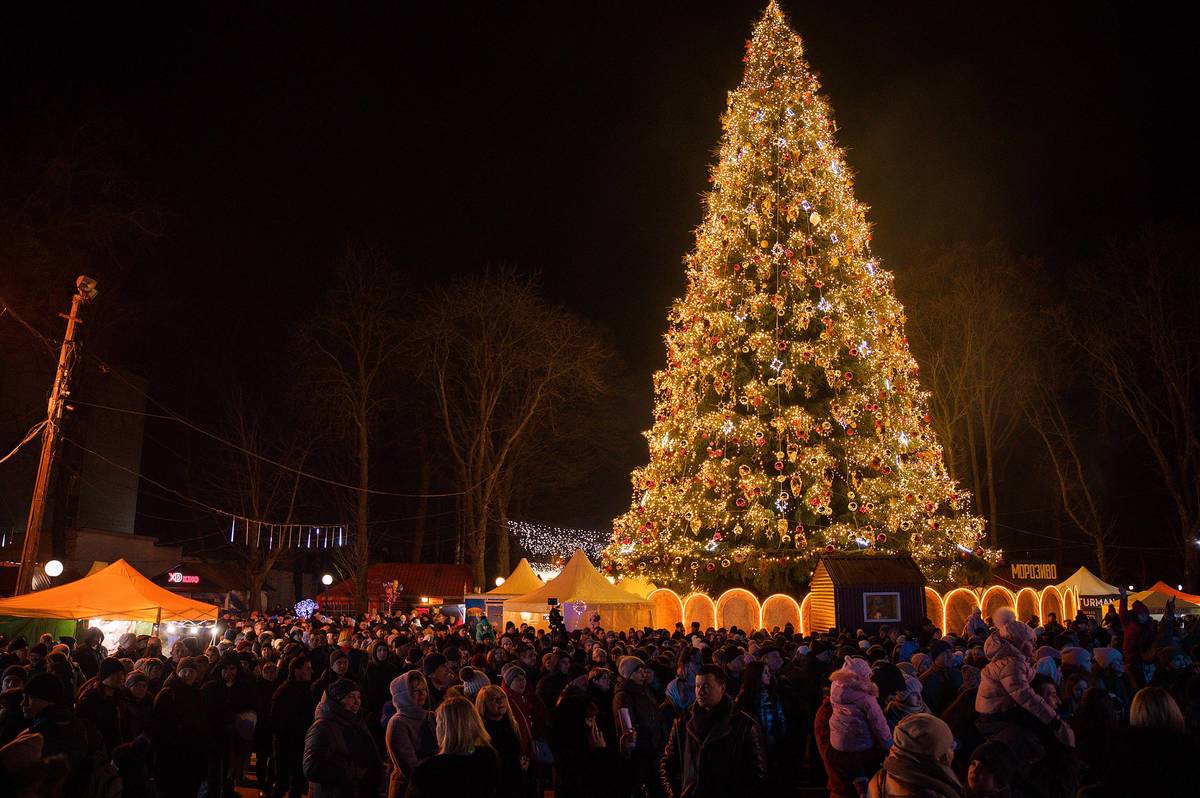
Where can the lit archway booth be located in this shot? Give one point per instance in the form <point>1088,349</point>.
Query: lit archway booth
<point>1088,592</point>
<point>117,593</point>
<point>866,592</point>
<point>580,591</point>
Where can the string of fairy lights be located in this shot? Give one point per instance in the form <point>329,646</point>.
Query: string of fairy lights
<point>551,546</point>
<point>789,420</point>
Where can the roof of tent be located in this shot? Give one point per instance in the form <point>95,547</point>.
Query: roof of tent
<point>115,593</point>
<point>637,585</point>
<point>1164,588</point>
<point>578,582</point>
<point>1085,583</point>
<point>1155,599</point>
<point>521,580</point>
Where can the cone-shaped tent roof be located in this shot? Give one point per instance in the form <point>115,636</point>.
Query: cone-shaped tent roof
<point>115,593</point>
<point>1085,583</point>
<point>521,580</point>
<point>637,586</point>
<point>1155,599</point>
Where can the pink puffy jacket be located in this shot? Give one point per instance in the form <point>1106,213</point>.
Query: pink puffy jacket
<point>856,723</point>
<point>1004,681</point>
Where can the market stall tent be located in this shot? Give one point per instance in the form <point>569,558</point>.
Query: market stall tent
<point>1155,598</point>
<point>522,580</point>
<point>581,591</point>
<point>1090,592</point>
<point>115,593</point>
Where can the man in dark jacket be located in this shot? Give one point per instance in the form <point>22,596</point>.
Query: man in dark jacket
<point>941,683</point>
<point>229,701</point>
<point>99,702</point>
<point>339,666</point>
<point>340,757</point>
<point>634,696</point>
<point>291,715</point>
<point>63,733</point>
<point>178,728</point>
<point>714,749</point>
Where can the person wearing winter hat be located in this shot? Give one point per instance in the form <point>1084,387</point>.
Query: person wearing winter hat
<point>858,731</point>
<point>410,733</point>
<point>340,756</point>
<point>339,667</point>
<point>633,695</point>
<point>99,703</point>
<point>1076,660</point>
<point>44,705</point>
<point>1005,694</point>
<point>942,682</point>
<point>473,680</point>
<point>136,705</point>
<point>440,675</point>
<point>918,763</point>
<point>231,703</point>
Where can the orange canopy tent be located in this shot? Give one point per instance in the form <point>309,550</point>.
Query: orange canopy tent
<point>115,593</point>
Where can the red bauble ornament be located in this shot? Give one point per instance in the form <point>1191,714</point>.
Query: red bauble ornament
<point>778,465</point>
<point>740,502</point>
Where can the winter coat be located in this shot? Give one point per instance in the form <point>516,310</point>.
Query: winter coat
<point>224,702</point>
<point>135,713</point>
<point>857,722</point>
<point>340,757</point>
<point>63,733</point>
<point>102,709</point>
<point>177,726</point>
<point>292,712</point>
<point>473,775</point>
<point>721,755</point>
<point>1004,682</point>
<point>376,684</point>
<point>410,737</point>
<point>939,686</point>
<point>513,781</point>
<point>643,708</point>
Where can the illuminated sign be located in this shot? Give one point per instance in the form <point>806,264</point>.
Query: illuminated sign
<point>1033,571</point>
<point>180,578</point>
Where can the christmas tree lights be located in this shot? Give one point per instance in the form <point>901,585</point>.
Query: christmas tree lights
<point>789,420</point>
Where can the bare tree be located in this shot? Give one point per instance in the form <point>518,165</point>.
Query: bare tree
<point>1139,329</point>
<point>264,492</point>
<point>500,362</point>
<point>1074,471</point>
<point>356,342</point>
<point>974,332</point>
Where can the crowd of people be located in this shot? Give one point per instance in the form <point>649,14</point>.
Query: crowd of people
<point>342,707</point>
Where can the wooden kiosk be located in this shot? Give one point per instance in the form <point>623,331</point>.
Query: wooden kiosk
<point>863,591</point>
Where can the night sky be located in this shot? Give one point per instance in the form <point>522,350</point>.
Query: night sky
<point>573,140</point>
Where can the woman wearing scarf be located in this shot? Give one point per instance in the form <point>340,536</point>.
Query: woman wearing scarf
<point>514,680</point>
<point>411,737</point>
<point>918,763</point>
<point>910,701</point>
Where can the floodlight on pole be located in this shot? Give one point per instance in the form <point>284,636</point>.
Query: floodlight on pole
<point>53,568</point>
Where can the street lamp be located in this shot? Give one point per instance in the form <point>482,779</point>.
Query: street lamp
<point>499,581</point>
<point>53,568</point>
<point>327,580</point>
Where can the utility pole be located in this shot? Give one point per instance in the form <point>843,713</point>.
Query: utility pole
<point>85,291</point>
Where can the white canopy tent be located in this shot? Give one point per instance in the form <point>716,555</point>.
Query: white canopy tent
<point>1091,593</point>
<point>580,591</point>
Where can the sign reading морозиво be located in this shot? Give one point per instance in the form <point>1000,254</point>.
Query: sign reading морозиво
<point>1029,572</point>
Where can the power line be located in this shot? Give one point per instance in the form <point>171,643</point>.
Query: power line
<point>33,431</point>
<point>8,311</point>
<point>172,416</point>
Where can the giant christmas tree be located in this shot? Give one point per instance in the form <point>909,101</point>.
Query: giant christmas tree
<point>789,421</point>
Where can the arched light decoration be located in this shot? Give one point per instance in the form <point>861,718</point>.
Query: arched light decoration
<point>1027,604</point>
<point>935,609</point>
<point>738,607</point>
<point>806,614</point>
<point>699,607</point>
<point>959,604</point>
<point>780,610</point>
<point>668,608</point>
<point>1068,605</point>
<point>1051,602</point>
<point>994,598</point>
